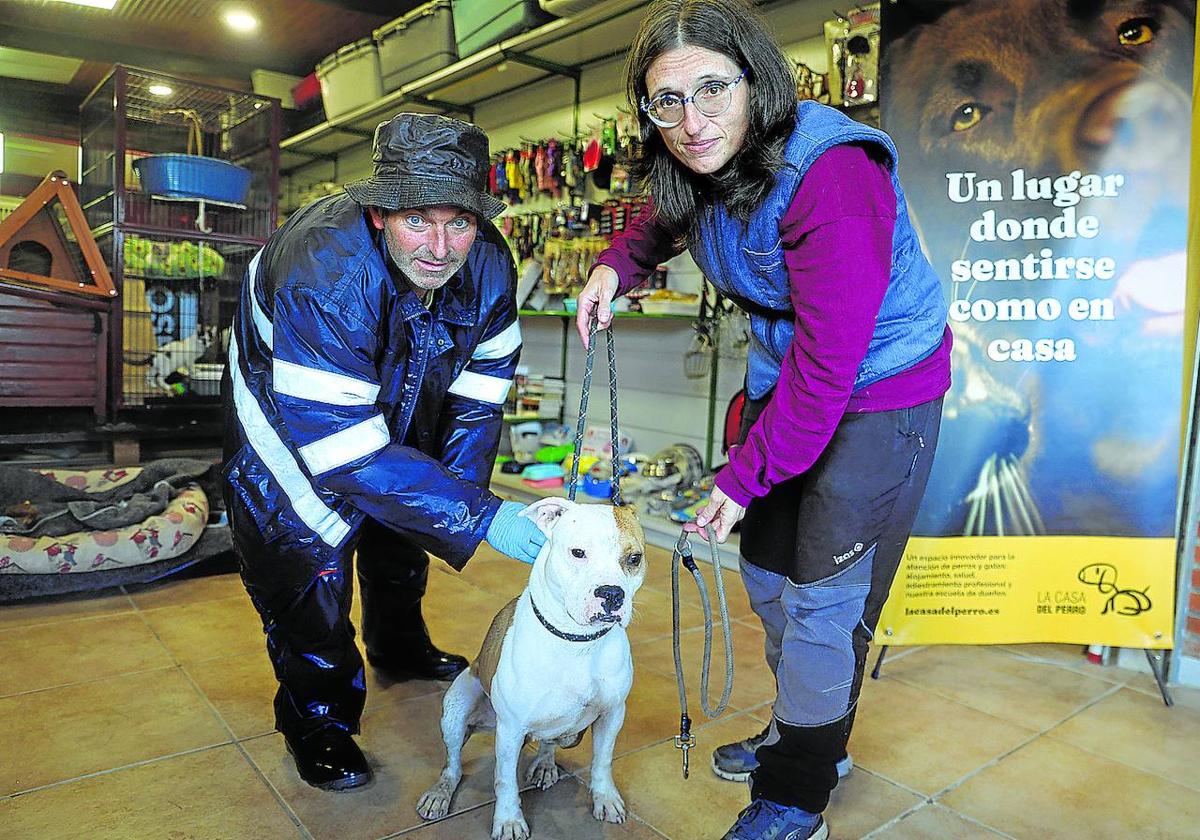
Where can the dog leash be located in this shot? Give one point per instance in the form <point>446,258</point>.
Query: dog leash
<point>685,740</point>
<point>586,388</point>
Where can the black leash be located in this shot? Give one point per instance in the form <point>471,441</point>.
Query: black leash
<point>583,407</point>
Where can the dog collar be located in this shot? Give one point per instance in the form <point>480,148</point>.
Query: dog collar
<point>570,637</point>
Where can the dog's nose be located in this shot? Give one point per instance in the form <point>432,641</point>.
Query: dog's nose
<point>612,596</point>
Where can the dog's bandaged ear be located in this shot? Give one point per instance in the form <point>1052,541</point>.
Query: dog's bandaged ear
<point>546,512</point>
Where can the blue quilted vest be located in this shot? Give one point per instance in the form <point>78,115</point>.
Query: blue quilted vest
<point>745,261</point>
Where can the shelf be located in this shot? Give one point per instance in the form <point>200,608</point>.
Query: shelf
<point>660,532</point>
<point>527,418</point>
<point>558,48</point>
<point>562,313</point>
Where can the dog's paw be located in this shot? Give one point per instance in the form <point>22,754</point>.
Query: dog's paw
<point>608,807</point>
<point>434,803</point>
<point>510,829</point>
<point>542,773</point>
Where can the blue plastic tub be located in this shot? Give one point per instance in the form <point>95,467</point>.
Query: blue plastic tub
<point>193,176</point>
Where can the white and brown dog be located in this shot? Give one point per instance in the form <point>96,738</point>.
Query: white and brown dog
<point>555,661</point>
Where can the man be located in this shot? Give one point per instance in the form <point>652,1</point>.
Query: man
<point>372,351</point>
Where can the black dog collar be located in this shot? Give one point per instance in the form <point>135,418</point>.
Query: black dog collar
<point>570,637</point>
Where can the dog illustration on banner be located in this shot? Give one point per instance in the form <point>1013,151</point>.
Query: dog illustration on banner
<point>1043,113</point>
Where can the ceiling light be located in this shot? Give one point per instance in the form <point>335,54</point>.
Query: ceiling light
<point>96,4</point>
<point>241,20</point>
<point>160,90</point>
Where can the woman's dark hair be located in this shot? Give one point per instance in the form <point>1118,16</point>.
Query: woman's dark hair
<point>732,28</point>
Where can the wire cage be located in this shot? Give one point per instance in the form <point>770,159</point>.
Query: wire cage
<point>177,244</point>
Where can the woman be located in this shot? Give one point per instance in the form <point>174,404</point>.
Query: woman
<point>793,211</point>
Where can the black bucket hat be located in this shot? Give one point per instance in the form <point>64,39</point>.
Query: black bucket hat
<point>427,159</point>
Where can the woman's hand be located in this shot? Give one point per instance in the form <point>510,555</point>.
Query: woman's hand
<point>596,297</point>
<point>721,512</point>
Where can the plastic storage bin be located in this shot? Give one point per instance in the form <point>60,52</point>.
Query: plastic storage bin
<point>569,8</point>
<point>193,176</point>
<point>416,44</point>
<point>350,77</point>
<point>481,23</point>
<point>206,379</point>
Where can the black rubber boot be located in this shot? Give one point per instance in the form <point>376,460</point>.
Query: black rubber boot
<point>329,759</point>
<point>392,580</point>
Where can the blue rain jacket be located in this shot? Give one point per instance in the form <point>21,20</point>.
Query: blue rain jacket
<point>348,398</point>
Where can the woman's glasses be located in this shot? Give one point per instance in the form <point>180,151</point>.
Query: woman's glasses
<point>711,99</point>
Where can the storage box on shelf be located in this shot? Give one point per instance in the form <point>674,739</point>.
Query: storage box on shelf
<point>176,248</point>
<point>479,24</point>
<point>350,77</point>
<point>416,44</point>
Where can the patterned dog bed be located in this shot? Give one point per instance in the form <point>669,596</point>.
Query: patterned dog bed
<point>156,538</point>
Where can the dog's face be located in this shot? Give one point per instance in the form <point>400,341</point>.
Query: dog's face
<point>594,559</point>
<point>1046,85</point>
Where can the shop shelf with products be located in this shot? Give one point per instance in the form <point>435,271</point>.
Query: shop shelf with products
<point>179,184</point>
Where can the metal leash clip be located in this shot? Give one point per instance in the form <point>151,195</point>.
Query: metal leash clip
<point>685,740</point>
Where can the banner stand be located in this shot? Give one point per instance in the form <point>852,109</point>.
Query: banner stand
<point>1154,657</point>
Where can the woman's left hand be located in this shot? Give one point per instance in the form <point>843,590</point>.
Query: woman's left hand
<point>721,512</point>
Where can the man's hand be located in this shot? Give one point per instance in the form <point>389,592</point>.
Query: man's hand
<point>517,536</point>
<point>721,512</point>
<point>596,297</point>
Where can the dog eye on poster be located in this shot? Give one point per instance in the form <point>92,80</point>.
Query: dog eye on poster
<point>555,662</point>
<point>1044,148</point>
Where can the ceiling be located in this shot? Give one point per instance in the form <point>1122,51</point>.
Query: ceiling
<point>53,53</point>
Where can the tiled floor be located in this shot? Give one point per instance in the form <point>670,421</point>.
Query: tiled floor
<point>146,714</point>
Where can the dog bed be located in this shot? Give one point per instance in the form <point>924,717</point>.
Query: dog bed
<point>149,521</point>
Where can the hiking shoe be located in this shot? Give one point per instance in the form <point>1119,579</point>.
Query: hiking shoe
<point>736,762</point>
<point>763,819</point>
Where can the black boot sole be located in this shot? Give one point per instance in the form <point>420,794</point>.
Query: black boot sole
<point>401,674</point>
<point>346,783</point>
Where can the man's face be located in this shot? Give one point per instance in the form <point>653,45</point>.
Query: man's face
<point>428,244</point>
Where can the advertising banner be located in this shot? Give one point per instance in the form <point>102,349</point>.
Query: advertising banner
<point>1044,149</point>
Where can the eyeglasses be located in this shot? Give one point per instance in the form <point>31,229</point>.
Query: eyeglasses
<point>711,99</point>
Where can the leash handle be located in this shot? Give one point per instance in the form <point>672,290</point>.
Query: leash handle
<point>585,391</point>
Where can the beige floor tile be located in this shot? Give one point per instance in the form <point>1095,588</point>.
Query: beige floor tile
<point>997,682</point>
<point>704,806</point>
<point>242,689</point>
<point>44,655</point>
<point>209,795</point>
<point>651,715</point>
<point>1068,656</point>
<point>736,598</point>
<point>753,682</point>
<point>862,802</point>
<point>698,808</point>
<point>923,741</point>
<point>497,575</point>
<point>1182,695</point>
<point>1137,729</point>
<point>60,608</point>
<point>61,733</point>
<point>176,593</point>
<point>652,615</point>
<point>564,812</point>
<point>208,629</point>
<point>459,614</point>
<point>404,746</point>
<point>1051,789</point>
<point>935,821</point>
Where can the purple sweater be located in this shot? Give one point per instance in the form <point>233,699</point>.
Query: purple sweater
<point>837,241</point>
